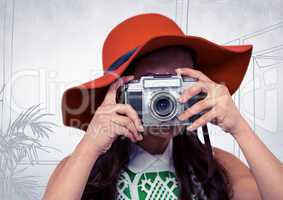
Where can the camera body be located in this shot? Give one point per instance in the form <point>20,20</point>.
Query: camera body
<point>155,98</point>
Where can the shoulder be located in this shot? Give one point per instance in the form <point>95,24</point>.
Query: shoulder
<point>243,183</point>
<point>230,162</point>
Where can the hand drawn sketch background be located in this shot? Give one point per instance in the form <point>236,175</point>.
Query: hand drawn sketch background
<point>49,46</point>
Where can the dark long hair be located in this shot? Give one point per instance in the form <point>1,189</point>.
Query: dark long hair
<point>190,158</point>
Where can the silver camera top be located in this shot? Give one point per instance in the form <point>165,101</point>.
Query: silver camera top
<point>159,81</point>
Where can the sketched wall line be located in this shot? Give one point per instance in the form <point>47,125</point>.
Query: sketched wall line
<point>258,95</point>
<point>182,14</point>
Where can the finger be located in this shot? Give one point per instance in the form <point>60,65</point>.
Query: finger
<point>128,110</point>
<point>204,119</point>
<point>198,107</point>
<point>127,123</point>
<point>123,131</point>
<point>193,73</point>
<point>193,90</point>
<point>110,97</point>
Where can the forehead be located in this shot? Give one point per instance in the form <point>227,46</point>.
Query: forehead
<point>164,60</point>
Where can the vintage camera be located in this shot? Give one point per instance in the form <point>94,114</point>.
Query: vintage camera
<point>155,98</point>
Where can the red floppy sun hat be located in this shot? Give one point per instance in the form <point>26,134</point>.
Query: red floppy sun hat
<point>142,34</point>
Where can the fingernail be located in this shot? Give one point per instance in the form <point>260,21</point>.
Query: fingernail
<point>180,117</point>
<point>181,99</point>
<point>129,78</point>
<point>140,137</point>
<point>140,128</point>
<point>178,71</point>
<point>190,128</point>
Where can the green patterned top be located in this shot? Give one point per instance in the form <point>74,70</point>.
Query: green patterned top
<point>149,177</point>
<point>151,185</point>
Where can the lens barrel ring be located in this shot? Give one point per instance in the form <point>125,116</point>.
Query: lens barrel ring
<point>155,101</point>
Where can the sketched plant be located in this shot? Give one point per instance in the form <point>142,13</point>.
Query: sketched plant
<point>22,140</point>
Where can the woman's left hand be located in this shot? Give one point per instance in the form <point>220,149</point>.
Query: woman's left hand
<point>222,110</point>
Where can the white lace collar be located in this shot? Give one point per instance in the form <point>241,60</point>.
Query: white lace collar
<point>141,161</point>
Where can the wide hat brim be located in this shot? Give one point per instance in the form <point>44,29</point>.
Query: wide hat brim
<point>222,64</point>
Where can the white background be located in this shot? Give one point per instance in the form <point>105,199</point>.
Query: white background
<point>49,46</point>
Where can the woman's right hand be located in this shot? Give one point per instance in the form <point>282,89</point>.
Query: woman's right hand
<point>112,120</point>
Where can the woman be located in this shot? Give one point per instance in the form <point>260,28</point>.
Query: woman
<point>101,161</point>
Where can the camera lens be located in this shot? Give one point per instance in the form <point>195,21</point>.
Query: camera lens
<point>163,106</point>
